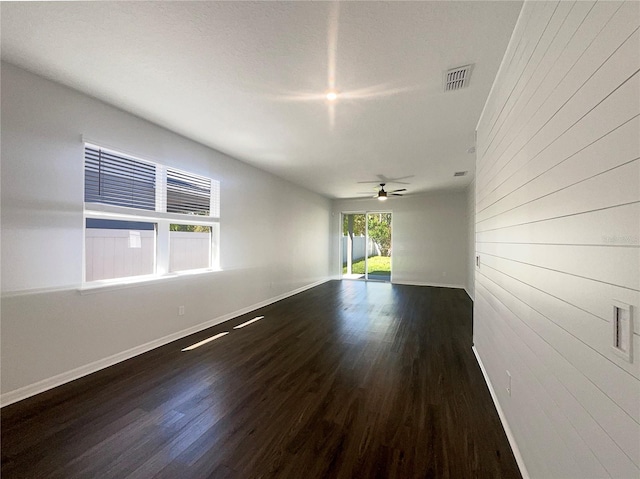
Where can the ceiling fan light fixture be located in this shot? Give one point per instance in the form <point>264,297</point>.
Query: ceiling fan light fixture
<point>382,195</point>
<point>332,95</point>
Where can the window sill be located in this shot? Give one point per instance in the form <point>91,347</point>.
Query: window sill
<point>121,283</point>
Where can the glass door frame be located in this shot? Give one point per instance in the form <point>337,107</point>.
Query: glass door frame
<point>366,214</point>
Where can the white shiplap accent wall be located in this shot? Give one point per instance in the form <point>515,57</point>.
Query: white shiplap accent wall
<point>557,224</point>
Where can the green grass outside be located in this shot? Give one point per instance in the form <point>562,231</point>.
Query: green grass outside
<point>377,265</point>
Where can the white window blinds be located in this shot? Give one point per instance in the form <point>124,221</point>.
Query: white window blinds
<point>115,179</point>
<point>188,193</point>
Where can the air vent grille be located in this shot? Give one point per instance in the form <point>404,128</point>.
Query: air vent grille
<point>457,78</point>
<point>460,173</point>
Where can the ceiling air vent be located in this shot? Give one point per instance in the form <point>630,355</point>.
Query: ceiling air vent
<point>457,78</point>
<point>460,173</point>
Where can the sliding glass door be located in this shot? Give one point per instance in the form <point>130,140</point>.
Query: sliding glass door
<point>379,235</point>
<point>366,246</point>
<point>354,239</point>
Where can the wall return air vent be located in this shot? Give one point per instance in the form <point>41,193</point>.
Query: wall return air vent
<point>457,78</point>
<point>460,173</point>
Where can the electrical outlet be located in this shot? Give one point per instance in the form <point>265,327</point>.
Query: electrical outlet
<point>508,383</point>
<point>180,310</point>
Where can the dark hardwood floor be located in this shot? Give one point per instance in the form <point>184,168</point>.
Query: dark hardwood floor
<point>348,379</point>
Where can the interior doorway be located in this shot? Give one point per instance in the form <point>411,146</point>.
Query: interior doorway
<point>366,246</point>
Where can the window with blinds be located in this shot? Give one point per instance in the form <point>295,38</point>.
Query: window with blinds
<point>118,180</point>
<point>166,219</point>
<point>188,193</point>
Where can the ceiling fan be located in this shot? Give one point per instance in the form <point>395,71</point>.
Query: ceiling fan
<point>382,195</point>
<point>383,180</point>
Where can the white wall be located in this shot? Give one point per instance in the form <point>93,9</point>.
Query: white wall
<point>471,239</point>
<point>429,236</point>
<point>558,232</point>
<point>274,239</point>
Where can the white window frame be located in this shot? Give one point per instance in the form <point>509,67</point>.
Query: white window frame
<point>163,221</point>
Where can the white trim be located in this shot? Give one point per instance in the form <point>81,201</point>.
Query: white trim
<point>27,292</point>
<point>112,284</point>
<point>60,379</point>
<point>468,294</point>
<point>436,285</point>
<point>130,281</point>
<point>99,211</point>
<point>503,419</point>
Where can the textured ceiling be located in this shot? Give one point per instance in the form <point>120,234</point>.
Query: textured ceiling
<point>248,78</point>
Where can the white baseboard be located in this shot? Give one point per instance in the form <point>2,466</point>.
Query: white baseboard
<point>469,294</point>
<point>437,285</point>
<point>503,418</point>
<point>68,376</point>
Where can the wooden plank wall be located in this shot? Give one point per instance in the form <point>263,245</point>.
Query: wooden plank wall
<point>558,234</point>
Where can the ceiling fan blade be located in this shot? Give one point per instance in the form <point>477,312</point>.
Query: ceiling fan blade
<point>395,191</point>
<point>385,180</point>
<point>396,180</point>
<point>395,194</point>
<point>377,182</point>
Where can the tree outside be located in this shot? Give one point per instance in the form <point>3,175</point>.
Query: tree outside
<point>191,228</point>
<point>379,229</point>
<point>359,225</point>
